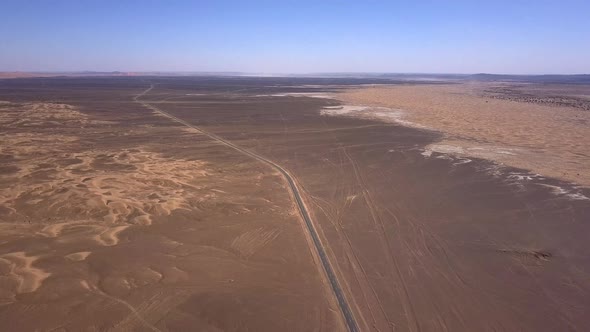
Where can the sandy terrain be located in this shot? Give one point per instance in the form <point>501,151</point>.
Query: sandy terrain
<point>115,218</point>
<point>420,240</point>
<point>423,243</point>
<point>485,120</point>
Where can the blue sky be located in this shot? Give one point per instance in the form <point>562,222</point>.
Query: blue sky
<point>524,37</point>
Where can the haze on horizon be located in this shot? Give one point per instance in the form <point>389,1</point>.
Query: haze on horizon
<point>508,37</point>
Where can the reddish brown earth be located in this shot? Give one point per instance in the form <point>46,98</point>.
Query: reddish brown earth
<point>174,232</point>
<point>114,218</point>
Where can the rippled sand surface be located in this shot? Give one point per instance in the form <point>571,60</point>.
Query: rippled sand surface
<point>547,139</point>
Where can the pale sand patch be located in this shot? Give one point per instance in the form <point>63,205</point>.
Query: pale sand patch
<point>300,94</point>
<point>110,237</point>
<point>484,151</point>
<point>372,113</point>
<point>550,140</point>
<point>78,256</point>
<point>85,231</point>
<point>20,269</point>
<point>151,185</point>
<point>92,195</point>
<point>53,230</point>
<point>37,114</point>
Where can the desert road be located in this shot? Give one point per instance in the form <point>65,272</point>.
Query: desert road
<point>336,288</point>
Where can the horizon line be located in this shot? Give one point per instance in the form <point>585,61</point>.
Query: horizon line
<point>245,73</point>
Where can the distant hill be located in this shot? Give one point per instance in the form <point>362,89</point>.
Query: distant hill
<point>409,77</point>
<point>20,74</point>
<point>577,79</point>
<point>581,78</point>
<point>17,74</point>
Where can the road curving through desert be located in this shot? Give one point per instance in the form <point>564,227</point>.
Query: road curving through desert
<point>347,314</point>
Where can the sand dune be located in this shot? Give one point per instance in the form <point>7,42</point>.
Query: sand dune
<point>110,236</point>
<point>42,114</point>
<point>78,256</point>
<point>20,271</point>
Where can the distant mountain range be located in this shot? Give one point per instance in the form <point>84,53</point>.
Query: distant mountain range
<point>570,79</point>
<point>578,78</point>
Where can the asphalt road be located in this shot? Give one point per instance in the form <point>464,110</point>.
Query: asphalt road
<point>342,302</point>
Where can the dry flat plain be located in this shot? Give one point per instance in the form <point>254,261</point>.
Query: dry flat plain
<point>114,217</point>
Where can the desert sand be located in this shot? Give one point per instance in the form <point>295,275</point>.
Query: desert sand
<point>492,121</point>
<point>422,243</point>
<point>115,218</point>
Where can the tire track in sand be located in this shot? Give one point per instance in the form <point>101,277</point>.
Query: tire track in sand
<point>413,323</point>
